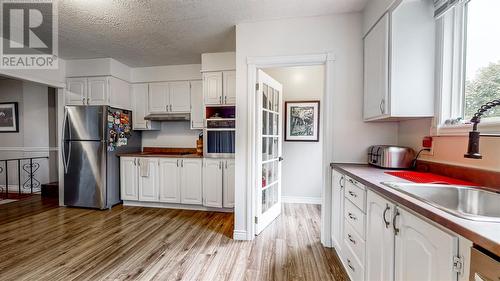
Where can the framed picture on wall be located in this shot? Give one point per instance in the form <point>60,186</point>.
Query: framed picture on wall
<point>302,121</point>
<point>9,117</point>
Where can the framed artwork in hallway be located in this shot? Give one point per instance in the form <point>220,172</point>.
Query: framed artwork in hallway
<point>9,117</point>
<point>302,121</point>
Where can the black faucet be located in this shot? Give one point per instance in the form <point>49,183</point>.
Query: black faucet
<point>474,135</point>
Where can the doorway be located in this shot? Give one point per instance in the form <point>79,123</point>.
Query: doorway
<point>268,64</point>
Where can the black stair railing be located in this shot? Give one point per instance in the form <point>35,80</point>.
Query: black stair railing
<point>30,166</point>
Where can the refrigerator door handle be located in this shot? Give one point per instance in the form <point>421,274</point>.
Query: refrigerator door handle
<point>63,146</point>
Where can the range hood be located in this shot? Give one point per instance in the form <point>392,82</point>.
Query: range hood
<point>169,117</point>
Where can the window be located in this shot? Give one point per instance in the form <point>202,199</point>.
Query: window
<point>482,56</point>
<point>467,64</point>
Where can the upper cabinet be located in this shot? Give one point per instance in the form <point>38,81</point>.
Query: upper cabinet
<point>140,109</point>
<point>219,88</point>
<point>169,97</point>
<point>399,63</point>
<point>197,109</point>
<point>101,90</point>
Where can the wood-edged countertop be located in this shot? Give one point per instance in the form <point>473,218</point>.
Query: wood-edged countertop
<point>159,155</point>
<point>484,234</point>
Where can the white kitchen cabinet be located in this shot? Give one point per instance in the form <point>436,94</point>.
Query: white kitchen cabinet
<point>228,183</point>
<point>229,87</point>
<point>422,251</point>
<point>212,88</point>
<point>158,98</point>
<point>379,238</point>
<point>120,93</point>
<point>140,109</point>
<point>197,114</point>
<point>76,91</point>
<point>399,63</point>
<point>180,97</point>
<point>148,185</point>
<point>338,181</point>
<point>191,181</point>
<point>170,187</point>
<point>98,91</point>
<point>128,178</point>
<point>212,183</point>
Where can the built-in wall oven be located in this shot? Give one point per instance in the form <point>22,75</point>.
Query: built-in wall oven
<point>219,132</point>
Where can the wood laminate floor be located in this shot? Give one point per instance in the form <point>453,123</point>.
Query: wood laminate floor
<point>46,242</point>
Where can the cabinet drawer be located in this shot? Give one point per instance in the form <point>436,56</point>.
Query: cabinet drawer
<point>355,217</point>
<point>355,270</point>
<point>355,242</point>
<point>356,193</point>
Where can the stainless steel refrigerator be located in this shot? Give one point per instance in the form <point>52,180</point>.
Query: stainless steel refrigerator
<point>92,138</point>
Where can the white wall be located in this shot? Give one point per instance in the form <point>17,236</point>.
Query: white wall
<point>33,139</point>
<point>449,149</point>
<point>339,34</point>
<point>173,134</point>
<point>301,170</point>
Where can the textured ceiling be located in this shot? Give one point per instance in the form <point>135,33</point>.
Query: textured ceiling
<point>167,32</point>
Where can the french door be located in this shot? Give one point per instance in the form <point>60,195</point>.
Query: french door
<point>269,140</point>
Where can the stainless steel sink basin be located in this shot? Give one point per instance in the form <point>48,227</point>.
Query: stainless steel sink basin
<point>465,202</point>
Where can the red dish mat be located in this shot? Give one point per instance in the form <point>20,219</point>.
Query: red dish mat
<point>419,177</point>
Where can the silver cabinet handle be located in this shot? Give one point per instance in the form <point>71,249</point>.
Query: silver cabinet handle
<point>182,163</point>
<point>352,217</point>
<point>382,106</point>
<point>170,107</point>
<point>396,230</point>
<point>225,99</point>
<point>83,100</point>
<point>135,161</point>
<point>387,208</point>
<point>88,101</point>
<point>340,182</point>
<point>166,107</point>
<point>226,164</point>
<point>353,194</point>
<point>350,239</point>
<point>220,99</point>
<point>350,265</point>
<point>177,162</point>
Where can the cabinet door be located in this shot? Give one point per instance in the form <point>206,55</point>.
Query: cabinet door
<point>76,91</point>
<point>169,180</point>
<point>338,181</point>
<point>128,179</point>
<point>158,97</point>
<point>212,183</point>
<point>376,65</point>
<point>180,97</point>
<point>229,88</point>
<point>119,93</point>
<point>379,238</point>
<point>197,108</point>
<point>139,106</point>
<point>228,182</point>
<point>212,88</point>
<point>98,91</point>
<point>423,251</point>
<point>148,185</point>
<point>191,181</point>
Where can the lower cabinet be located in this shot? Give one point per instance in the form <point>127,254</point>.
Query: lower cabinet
<point>398,245</point>
<point>218,183</point>
<point>188,181</point>
<point>150,181</point>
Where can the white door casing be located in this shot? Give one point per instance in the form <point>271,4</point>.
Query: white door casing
<point>269,150</point>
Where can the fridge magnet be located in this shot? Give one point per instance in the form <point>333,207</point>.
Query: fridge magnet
<point>9,118</point>
<point>302,121</point>
<point>122,141</point>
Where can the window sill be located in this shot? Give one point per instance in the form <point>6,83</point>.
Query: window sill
<point>485,127</point>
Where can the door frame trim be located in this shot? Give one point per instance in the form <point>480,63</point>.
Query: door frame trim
<point>253,63</point>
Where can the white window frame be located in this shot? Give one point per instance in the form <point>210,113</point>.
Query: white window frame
<point>450,75</point>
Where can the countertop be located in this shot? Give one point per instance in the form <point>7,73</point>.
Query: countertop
<point>484,234</point>
<point>159,155</point>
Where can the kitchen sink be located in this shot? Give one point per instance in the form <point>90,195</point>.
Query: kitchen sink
<point>462,201</point>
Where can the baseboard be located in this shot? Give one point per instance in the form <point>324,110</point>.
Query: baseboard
<point>175,206</point>
<point>301,200</point>
<point>240,235</point>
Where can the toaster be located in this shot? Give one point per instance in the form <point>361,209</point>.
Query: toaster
<point>390,157</point>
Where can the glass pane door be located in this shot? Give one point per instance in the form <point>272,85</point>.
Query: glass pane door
<point>269,100</point>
